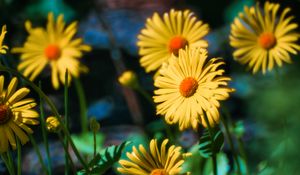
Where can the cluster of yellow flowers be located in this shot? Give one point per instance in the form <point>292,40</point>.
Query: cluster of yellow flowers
<point>54,46</point>
<point>189,85</point>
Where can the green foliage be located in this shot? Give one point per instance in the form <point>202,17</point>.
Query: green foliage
<point>222,162</point>
<point>209,145</point>
<point>85,142</point>
<point>105,159</point>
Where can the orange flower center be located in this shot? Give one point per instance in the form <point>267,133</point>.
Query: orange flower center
<point>159,172</point>
<point>4,114</point>
<point>177,43</point>
<point>188,87</point>
<point>52,52</point>
<point>267,40</point>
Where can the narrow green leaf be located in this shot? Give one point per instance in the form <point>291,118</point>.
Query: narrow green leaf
<point>207,147</point>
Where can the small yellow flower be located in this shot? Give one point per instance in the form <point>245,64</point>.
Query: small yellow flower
<point>129,79</point>
<point>164,161</point>
<point>3,48</point>
<point>53,124</point>
<point>190,87</point>
<point>15,114</point>
<point>52,46</point>
<point>264,39</point>
<point>166,35</point>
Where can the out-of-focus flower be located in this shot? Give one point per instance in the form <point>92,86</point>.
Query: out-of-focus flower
<point>164,36</point>
<point>262,38</point>
<point>164,161</point>
<point>94,125</point>
<point>55,46</point>
<point>129,79</point>
<point>53,124</point>
<point>15,114</point>
<point>191,87</point>
<point>3,48</point>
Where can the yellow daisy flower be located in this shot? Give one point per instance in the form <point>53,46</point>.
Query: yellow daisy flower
<point>262,38</point>
<point>164,36</point>
<point>190,87</point>
<point>163,161</point>
<point>15,114</point>
<point>54,46</point>
<point>3,48</point>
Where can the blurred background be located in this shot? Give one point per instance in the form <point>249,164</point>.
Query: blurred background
<point>264,109</point>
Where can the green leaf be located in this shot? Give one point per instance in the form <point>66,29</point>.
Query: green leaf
<point>105,159</point>
<point>208,146</point>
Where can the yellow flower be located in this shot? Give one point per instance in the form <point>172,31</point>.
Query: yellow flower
<point>190,87</point>
<point>129,79</point>
<point>262,38</point>
<point>164,161</point>
<point>54,46</point>
<point>3,48</point>
<point>164,36</point>
<point>53,124</point>
<point>15,114</point>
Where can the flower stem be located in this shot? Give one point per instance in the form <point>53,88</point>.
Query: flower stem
<point>44,133</point>
<point>214,159</point>
<point>82,105</point>
<point>95,143</point>
<point>145,94</point>
<point>38,154</point>
<point>67,152</point>
<point>66,100</point>
<point>10,161</point>
<point>4,158</point>
<point>53,108</point>
<point>230,141</point>
<point>19,157</point>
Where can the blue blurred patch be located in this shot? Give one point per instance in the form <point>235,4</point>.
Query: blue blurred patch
<point>101,109</point>
<point>125,26</point>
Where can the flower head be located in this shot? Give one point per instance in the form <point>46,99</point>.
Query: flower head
<point>263,38</point>
<point>190,87</point>
<point>3,48</point>
<point>129,79</point>
<point>164,161</point>
<point>166,35</point>
<point>54,46</point>
<point>15,114</point>
<point>94,125</point>
<point>53,124</point>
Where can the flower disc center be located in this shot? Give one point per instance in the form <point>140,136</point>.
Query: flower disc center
<point>4,114</point>
<point>159,172</point>
<point>188,87</point>
<point>52,52</point>
<point>177,43</point>
<point>267,40</point>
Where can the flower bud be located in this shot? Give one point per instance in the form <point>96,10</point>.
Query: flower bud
<point>53,124</point>
<point>129,79</point>
<point>94,125</point>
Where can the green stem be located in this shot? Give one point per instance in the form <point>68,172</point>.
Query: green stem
<point>240,146</point>
<point>4,158</point>
<point>214,159</point>
<point>38,154</point>
<point>82,105</point>
<point>44,132</point>
<point>66,94</point>
<point>54,110</point>
<point>67,152</point>
<point>19,157</point>
<point>230,141</point>
<point>95,143</point>
<point>10,161</point>
<point>145,94</point>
